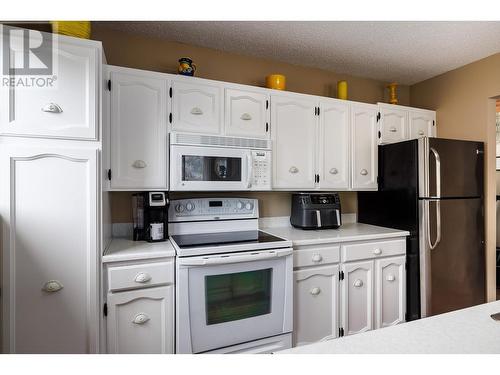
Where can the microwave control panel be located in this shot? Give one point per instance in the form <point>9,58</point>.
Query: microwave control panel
<point>261,166</point>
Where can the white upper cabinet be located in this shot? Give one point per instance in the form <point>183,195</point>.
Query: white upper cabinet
<point>334,145</point>
<point>246,114</point>
<point>69,109</point>
<point>422,123</point>
<point>139,145</point>
<point>390,286</point>
<point>197,107</point>
<point>294,124</point>
<point>393,124</point>
<point>315,304</point>
<point>50,250</point>
<point>364,146</point>
<point>357,297</point>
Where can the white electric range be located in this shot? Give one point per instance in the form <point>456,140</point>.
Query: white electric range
<point>233,282</point>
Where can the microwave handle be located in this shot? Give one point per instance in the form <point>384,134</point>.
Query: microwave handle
<point>249,169</point>
<point>235,258</point>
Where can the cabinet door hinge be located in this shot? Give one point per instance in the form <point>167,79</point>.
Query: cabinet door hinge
<point>341,275</point>
<point>267,127</point>
<point>170,117</point>
<point>109,84</point>
<point>379,134</point>
<point>433,123</point>
<point>170,92</point>
<point>109,174</point>
<point>267,104</point>
<point>315,111</point>
<point>378,116</point>
<point>341,332</point>
<point>105,309</point>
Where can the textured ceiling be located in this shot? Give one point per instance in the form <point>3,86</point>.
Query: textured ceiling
<point>405,52</point>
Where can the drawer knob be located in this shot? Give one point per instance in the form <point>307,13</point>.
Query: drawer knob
<point>316,258</point>
<point>315,291</point>
<point>334,171</point>
<point>392,129</point>
<point>142,277</point>
<point>390,278</point>
<point>377,251</point>
<point>140,318</point>
<point>421,132</point>
<point>363,172</point>
<point>52,286</point>
<point>358,283</point>
<point>52,108</point>
<point>196,111</point>
<point>293,170</point>
<point>139,164</point>
<point>246,116</point>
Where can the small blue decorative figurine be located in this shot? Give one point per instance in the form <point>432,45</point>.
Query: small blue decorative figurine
<point>186,66</point>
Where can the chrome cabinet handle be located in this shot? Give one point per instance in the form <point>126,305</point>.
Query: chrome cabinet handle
<point>363,172</point>
<point>377,251</point>
<point>315,291</point>
<point>246,116</point>
<point>52,286</point>
<point>293,170</point>
<point>142,277</point>
<point>52,108</point>
<point>316,258</point>
<point>392,129</point>
<point>358,283</point>
<point>140,318</point>
<point>196,111</point>
<point>390,278</point>
<point>334,171</point>
<point>139,164</point>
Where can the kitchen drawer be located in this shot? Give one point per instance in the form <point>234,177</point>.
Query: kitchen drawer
<point>375,249</point>
<point>140,275</point>
<point>316,256</point>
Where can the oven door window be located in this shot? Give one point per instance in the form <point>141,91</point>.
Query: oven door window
<point>211,168</point>
<point>238,296</point>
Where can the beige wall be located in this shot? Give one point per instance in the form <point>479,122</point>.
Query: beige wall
<point>465,110</point>
<point>161,55</point>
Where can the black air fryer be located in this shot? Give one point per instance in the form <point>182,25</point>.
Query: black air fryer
<point>150,211</point>
<point>316,211</point>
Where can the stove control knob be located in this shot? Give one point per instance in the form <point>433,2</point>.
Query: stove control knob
<point>248,206</point>
<point>239,205</point>
<point>179,208</point>
<point>190,206</point>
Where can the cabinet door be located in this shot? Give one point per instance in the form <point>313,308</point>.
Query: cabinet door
<point>422,123</point>
<point>68,108</point>
<point>357,297</point>
<point>334,145</point>
<point>293,132</point>
<point>364,146</point>
<point>246,114</point>
<point>196,107</point>
<point>49,213</point>
<point>390,286</point>
<point>141,321</point>
<point>315,304</point>
<point>138,129</point>
<point>393,124</point>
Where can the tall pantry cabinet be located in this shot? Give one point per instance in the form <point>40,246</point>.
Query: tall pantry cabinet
<point>50,207</point>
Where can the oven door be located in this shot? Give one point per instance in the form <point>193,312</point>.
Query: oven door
<point>229,299</point>
<point>209,168</point>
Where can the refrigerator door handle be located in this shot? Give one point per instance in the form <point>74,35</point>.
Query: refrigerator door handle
<point>438,171</point>
<point>432,246</point>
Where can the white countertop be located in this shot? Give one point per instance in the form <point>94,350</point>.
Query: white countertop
<point>122,249</point>
<point>347,232</point>
<point>470,330</point>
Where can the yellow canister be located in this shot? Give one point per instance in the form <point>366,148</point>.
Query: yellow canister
<point>342,90</point>
<point>276,81</point>
<point>79,29</point>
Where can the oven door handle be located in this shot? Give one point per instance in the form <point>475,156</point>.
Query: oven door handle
<point>228,259</point>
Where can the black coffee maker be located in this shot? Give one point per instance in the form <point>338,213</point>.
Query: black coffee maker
<point>150,212</point>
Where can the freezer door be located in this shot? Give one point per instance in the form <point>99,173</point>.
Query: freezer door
<point>450,168</point>
<point>452,259</point>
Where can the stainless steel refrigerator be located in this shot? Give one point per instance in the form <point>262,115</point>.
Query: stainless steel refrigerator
<point>433,188</point>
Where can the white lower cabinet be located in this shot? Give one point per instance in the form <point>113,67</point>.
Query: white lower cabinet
<point>140,321</point>
<point>390,291</point>
<point>316,304</point>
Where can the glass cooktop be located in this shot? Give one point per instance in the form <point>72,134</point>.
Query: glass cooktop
<point>224,238</point>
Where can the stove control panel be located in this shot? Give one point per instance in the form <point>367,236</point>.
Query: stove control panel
<point>201,209</point>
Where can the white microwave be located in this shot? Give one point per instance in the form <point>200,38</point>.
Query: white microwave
<point>215,163</point>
